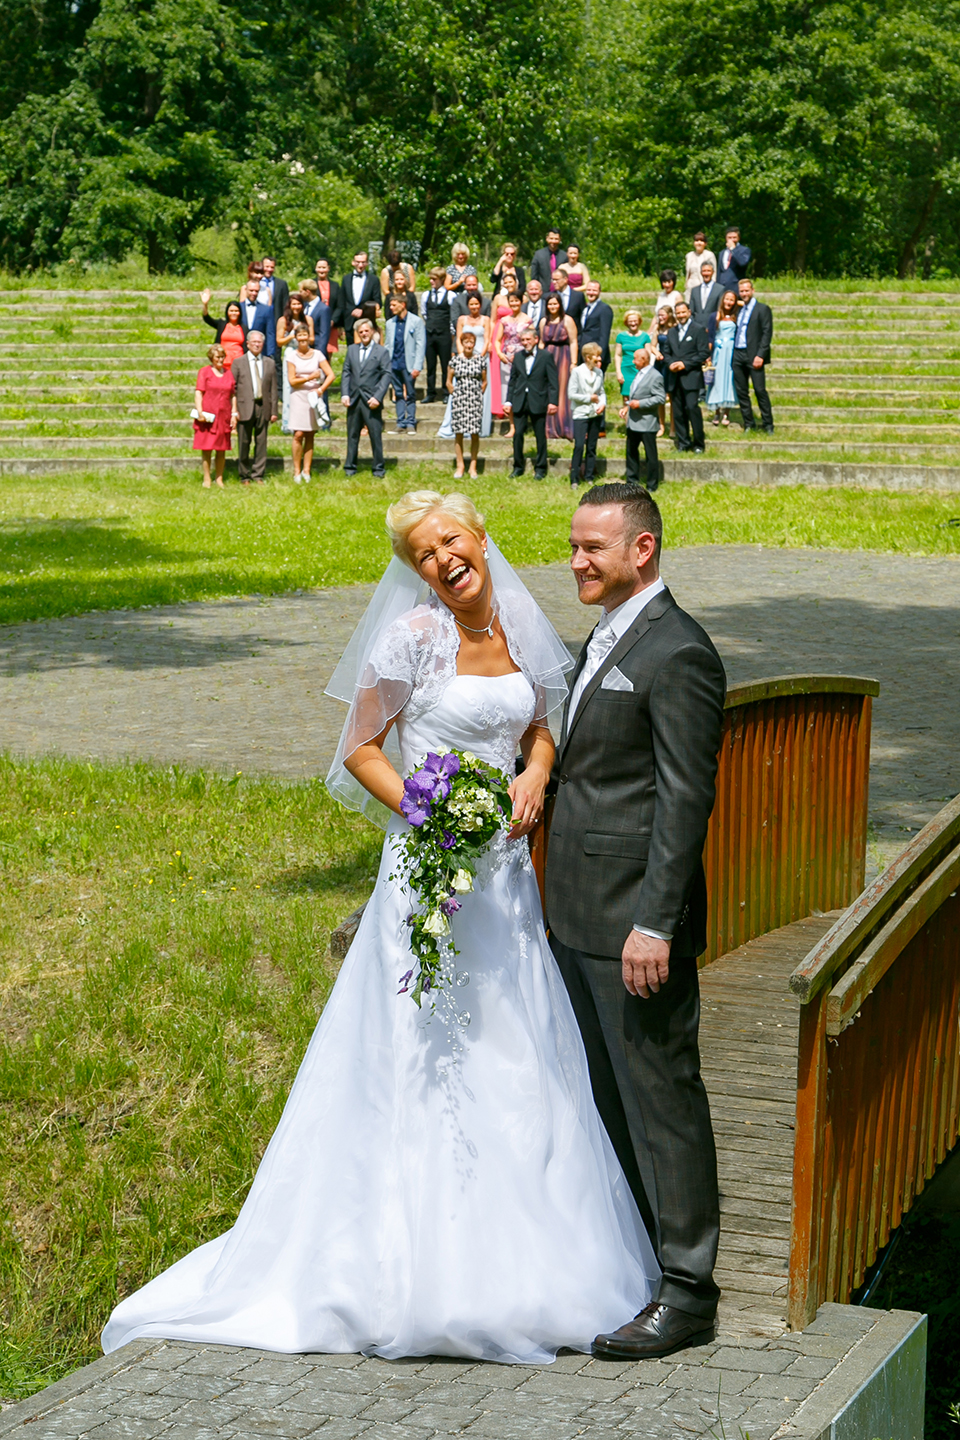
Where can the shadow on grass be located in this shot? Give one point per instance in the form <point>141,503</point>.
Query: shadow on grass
<point>339,878</point>
<point>128,642</point>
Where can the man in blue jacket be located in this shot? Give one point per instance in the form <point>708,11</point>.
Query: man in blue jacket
<point>732,261</point>
<point>254,315</point>
<point>406,344</point>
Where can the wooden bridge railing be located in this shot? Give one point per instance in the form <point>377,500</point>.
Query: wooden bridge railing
<point>878,1079</point>
<point>788,832</point>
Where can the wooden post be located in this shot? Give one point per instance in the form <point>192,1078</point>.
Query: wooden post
<point>808,1147</point>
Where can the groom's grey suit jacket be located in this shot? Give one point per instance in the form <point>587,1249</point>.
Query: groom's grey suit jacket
<point>634,781</point>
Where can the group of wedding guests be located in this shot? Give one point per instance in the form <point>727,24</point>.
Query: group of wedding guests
<point>532,348</point>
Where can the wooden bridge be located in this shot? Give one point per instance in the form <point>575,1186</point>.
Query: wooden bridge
<point>830,1040</point>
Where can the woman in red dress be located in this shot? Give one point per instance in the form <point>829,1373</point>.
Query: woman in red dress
<point>214,397</point>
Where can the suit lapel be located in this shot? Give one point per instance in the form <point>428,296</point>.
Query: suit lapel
<point>636,632</point>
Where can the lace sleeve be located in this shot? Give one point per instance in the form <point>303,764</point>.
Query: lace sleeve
<point>384,688</point>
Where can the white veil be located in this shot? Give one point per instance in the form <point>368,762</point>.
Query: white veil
<point>407,639</point>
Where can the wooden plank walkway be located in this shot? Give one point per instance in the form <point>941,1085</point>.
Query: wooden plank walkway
<point>748,1042</point>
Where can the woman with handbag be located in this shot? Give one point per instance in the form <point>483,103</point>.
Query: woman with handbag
<point>309,376</point>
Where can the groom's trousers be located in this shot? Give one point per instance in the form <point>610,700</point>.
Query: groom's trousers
<point>644,1060</point>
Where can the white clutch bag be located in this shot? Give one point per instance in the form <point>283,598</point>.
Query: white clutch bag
<point>203,415</point>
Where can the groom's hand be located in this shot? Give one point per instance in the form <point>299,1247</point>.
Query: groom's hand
<point>646,964</point>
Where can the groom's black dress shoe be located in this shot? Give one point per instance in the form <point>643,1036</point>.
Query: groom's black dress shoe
<point>657,1330</point>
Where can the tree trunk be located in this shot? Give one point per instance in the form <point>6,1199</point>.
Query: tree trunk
<point>908,255</point>
<point>429,222</point>
<point>927,263</point>
<point>156,260</point>
<point>800,252</point>
<point>390,225</point>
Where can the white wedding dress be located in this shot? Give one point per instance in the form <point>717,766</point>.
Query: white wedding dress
<point>439,1183</point>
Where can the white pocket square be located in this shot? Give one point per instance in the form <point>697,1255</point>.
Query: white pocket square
<point>615,680</point>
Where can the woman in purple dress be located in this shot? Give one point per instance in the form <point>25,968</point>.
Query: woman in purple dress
<point>558,334</point>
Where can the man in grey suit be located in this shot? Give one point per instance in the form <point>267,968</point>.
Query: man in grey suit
<point>458,305</point>
<point>255,406</point>
<point>705,297</point>
<point>364,382</point>
<point>626,898</point>
<point>642,414</point>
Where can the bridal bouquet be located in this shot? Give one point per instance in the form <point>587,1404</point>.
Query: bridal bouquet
<point>455,804</point>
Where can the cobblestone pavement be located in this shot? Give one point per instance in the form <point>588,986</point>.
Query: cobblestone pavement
<point>180,1391</point>
<point>238,684</point>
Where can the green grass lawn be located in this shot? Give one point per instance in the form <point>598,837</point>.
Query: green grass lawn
<point>72,543</point>
<point>163,961</point>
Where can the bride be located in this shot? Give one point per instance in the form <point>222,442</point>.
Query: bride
<point>440,1182</point>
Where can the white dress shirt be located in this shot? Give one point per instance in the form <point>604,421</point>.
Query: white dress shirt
<point>256,374</point>
<point>615,624</point>
<point>743,320</point>
<point>530,360</point>
<point>612,626</point>
<point>358,282</point>
<point>251,312</point>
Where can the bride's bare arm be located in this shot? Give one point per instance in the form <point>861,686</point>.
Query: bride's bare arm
<point>370,766</point>
<point>528,790</point>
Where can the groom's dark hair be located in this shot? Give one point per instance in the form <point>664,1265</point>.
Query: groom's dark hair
<point>641,513</point>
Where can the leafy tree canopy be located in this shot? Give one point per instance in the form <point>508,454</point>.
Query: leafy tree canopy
<point>830,132</point>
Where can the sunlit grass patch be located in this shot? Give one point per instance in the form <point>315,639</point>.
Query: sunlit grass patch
<point>163,962</point>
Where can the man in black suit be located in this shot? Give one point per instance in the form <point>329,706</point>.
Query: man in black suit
<point>545,261</point>
<point>571,300</point>
<point>685,349</point>
<point>534,306</point>
<point>271,285</point>
<point>705,297</point>
<point>626,898</point>
<point>458,303</point>
<point>733,260</point>
<point>533,393</point>
<point>363,384</point>
<point>360,296</point>
<point>751,356</point>
<point>435,311</point>
<point>596,322</point>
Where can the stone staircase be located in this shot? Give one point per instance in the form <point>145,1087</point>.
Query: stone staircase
<point>865,388</point>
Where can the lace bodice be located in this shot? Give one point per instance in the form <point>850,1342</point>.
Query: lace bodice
<point>486,714</point>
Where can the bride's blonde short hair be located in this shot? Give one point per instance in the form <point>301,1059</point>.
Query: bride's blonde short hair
<point>405,514</point>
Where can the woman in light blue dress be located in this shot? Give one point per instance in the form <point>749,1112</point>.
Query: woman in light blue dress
<point>722,329</point>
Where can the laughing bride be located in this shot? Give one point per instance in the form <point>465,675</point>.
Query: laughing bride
<point>440,1182</point>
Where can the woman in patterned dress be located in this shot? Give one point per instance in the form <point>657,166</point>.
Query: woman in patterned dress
<point>466,382</point>
<point>558,334</point>
<point>459,267</point>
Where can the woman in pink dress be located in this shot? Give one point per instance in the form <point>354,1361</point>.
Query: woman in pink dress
<point>499,310</point>
<point>214,396</point>
<point>578,275</point>
<point>558,334</point>
<point>506,343</point>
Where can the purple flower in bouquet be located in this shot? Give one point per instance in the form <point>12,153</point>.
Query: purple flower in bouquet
<point>418,792</point>
<point>449,907</point>
<point>442,768</point>
<point>448,841</point>
<point>405,982</point>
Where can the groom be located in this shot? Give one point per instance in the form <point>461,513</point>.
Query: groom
<point>626,895</point>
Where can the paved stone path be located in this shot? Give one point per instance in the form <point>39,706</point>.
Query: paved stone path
<point>154,1388</point>
<point>238,684</point>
